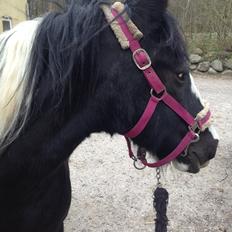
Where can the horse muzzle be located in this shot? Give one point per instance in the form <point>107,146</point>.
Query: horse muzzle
<point>199,154</point>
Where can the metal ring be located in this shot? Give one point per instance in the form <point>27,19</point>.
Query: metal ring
<point>151,92</point>
<point>197,138</point>
<point>185,153</point>
<point>137,167</point>
<point>159,98</point>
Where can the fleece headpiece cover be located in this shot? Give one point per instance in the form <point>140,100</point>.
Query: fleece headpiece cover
<point>120,7</point>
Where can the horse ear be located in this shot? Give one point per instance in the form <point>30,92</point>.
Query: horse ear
<point>149,11</point>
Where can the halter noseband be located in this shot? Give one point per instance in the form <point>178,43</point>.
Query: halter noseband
<point>143,62</point>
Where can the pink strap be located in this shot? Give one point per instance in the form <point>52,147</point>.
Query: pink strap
<point>131,154</point>
<point>149,73</point>
<point>174,154</point>
<point>144,119</point>
<point>179,109</point>
<point>201,122</point>
<point>143,62</point>
<point>154,80</point>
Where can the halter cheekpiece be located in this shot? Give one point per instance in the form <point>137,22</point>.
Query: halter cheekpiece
<point>128,36</point>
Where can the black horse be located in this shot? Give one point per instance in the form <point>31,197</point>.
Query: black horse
<point>63,77</point>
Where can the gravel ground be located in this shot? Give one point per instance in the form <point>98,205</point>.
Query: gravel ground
<point>109,195</point>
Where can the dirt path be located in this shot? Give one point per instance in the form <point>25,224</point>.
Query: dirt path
<point>110,195</point>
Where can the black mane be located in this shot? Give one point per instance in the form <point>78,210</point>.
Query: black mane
<point>60,52</point>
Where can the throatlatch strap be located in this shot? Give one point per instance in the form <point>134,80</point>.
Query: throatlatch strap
<point>144,119</point>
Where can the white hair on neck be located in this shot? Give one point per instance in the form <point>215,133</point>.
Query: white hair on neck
<point>15,51</point>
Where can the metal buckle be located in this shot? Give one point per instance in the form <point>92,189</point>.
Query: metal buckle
<point>147,57</point>
<point>195,140</point>
<point>195,128</point>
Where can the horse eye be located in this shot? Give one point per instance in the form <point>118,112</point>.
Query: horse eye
<point>180,76</point>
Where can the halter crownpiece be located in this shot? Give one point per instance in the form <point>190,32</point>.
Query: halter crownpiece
<point>129,36</point>
<point>120,9</point>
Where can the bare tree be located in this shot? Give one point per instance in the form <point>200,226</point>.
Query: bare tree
<point>211,17</point>
<point>38,8</point>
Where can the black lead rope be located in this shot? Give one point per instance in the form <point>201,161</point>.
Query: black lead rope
<point>160,204</point>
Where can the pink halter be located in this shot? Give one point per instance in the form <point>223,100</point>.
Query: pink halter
<point>143,63</point>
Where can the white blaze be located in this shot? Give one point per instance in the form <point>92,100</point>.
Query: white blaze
<point>196,92</point>
<point>181,166</point>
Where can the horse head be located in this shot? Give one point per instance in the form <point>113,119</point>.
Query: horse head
<point>130,91</point>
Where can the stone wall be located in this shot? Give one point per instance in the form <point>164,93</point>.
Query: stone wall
<point>200,63</point>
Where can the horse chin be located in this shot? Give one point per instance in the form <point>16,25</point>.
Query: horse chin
<point>205,164</point>
<point>192,167</point>
<point>180,166</point>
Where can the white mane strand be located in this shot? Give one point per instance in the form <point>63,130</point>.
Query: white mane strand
<point>15,48</point>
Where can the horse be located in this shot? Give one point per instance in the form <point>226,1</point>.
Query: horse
<point>63,77</point>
